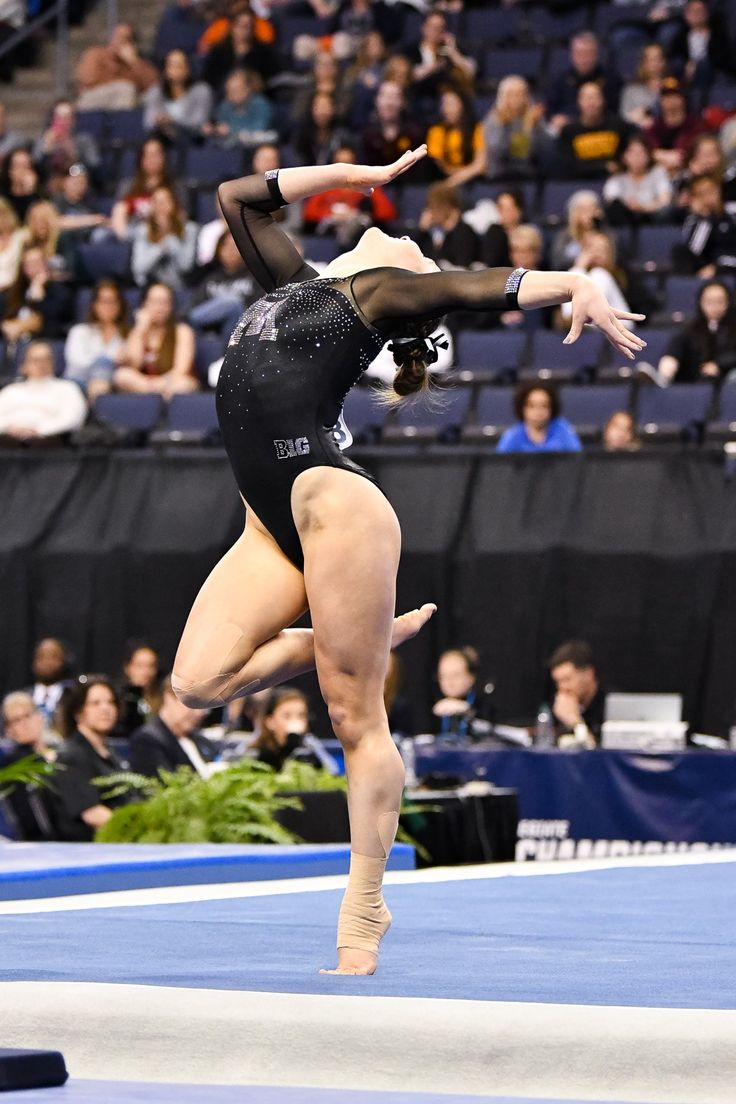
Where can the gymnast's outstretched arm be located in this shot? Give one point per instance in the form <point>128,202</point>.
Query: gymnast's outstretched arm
<point>247,204</point>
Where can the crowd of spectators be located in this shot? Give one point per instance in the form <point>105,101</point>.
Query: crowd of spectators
<point>116,267</point>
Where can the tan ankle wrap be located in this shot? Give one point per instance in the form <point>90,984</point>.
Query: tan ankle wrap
<point>364,918</point>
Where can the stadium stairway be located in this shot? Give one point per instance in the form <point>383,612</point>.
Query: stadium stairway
<point>33,89</point>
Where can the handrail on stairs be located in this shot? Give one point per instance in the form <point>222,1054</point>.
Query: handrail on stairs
<point>58,13</point>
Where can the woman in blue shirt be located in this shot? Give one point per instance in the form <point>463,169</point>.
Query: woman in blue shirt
<point>540,427</point>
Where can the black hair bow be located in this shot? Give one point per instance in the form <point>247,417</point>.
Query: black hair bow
<point>426,345</point>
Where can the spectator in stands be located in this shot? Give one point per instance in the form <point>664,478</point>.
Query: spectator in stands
<point>580,699</point>
<point>165,246</point>
<point>172,739</point>
<point>50,668</point>
<point>40,408</point>
<point>675,130</point>
<point>619,433</point>
<point>438,62</point>
<point>540,426</point>
<point>9,139</point>
<point>590,145</point>
<point>443,236</point>
<point>223,288</point>
<point>134,202</point>
<point>362,79</point>
<point>512,131</point>
<point>455,143</point>
<point>390,131</point>
<point>92,347</point>
<point>321,133</point>
<point>709,232</point>
<point>158,356</point>
<point>78,214</point>
<point>59,146</point>
<point>326,77</point>
<point>640,191</point>
<point>181,26</point>
<point>19,182</point>
<point>141,689</point>
<point>584,212</point>
<point>217,31</point>
<point>89,712</point>
<point>240,50</point>
<point>11,247</point>
<point>706,158</point>
<point>495,240</point>
<point>244,114</point>
<point>23,725</point>
<point>705,347</point>
<point>526,247</point>
<point>36,305</point>
<point>585,67</point>
<point>463,703</point>
<point>398,708</point>
<point>346,212</point>
<point>701,45</point>
<point>113,77</point>
<point>42,229</point>
<point>640,98</point>
<point>284,724</point>
<point>178,105</point>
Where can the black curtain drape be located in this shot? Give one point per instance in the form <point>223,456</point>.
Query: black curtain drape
<point>636,553</point>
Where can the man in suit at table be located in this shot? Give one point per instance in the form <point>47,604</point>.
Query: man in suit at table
<point>172,739</point>
<point>580,699</point>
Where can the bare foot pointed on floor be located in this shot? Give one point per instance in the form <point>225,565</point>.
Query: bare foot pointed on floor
<point>354,962</point>
<point>409,624</point>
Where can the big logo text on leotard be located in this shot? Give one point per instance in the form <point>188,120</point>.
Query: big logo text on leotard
<point>258,321</point>
<point>289,448</point>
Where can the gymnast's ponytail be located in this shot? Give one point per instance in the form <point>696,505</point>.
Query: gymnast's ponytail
<point>413,353</point>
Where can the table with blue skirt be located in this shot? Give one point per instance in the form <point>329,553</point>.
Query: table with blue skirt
<point>589,804</point>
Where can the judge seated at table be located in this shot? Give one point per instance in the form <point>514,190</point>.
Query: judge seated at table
<point>579,700</point>
<point>463,711</point>
<point>172,739</point>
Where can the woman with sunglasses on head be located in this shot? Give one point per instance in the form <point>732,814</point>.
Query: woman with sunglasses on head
<point>319,533</point>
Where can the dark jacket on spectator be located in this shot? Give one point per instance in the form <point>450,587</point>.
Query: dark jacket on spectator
<point>707,240</point>
<point>154,747</point>
<point>588,150</point>
<point>73,790</point>
<point>222,59</point>
<point>695,344</point>
<point>458,248</point>
<point>563,95</point>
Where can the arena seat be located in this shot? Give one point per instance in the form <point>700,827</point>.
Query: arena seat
<point>548,351</point>
<point>494,411</point>
<point>523,62</point>
<point>413,198</point>
<point>491,351</point>
<point>672,411</point>
<point>556,194</point>
<point>723,426</point>
<point>557,26</point>
<point>654,246</point>
<point>210,164</point>
<point>126,126</point>
<point>589,408</point>
<point>681,295</point>
<point>109,258</point>
<point>486,24</point>
<point>423,420</point>
<point>193,413</point>
<point>364,416</point>
<point>321,248</point>
<point>93,123</point>
<point>208,348</point>
<point>140,412</point>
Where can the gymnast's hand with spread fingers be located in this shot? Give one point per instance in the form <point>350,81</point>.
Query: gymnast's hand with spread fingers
<point>590,307</point>
<point>365,178</point>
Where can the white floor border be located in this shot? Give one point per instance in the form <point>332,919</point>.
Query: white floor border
<point>170,895</point>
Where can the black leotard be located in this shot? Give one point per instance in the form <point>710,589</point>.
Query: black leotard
<point>297,352</point>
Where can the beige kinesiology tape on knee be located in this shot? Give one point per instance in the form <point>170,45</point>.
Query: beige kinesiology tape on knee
<point>364,918</point>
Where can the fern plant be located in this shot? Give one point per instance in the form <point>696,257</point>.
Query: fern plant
<point>31,770</point>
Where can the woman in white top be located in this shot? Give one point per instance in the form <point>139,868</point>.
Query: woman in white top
<point>597,259</point>
<point>178,103</point>
<point>640,97</point>
<point>640,190</point>
<point>11,245</point>
<point>92,348</point>
<point>165,245</point>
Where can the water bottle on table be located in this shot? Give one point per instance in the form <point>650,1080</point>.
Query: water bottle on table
<point>544,733</point>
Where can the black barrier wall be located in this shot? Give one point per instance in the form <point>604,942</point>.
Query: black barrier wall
<point>635,553</point>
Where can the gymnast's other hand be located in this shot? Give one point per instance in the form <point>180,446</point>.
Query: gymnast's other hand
<point>590,307</point>
<point>365,178</point>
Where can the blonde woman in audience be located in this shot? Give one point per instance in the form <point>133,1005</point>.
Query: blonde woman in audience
<point>42,229</point>
<point>158,357</point>
<point>93,347</point>
<point>512,129</point>
<point>165,246</point>
<point>597,260</point>
<point>640,97</point>
<point>584,212</point>
<point>11,245</point>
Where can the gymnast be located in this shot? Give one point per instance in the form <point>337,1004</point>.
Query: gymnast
<point>319,534</point>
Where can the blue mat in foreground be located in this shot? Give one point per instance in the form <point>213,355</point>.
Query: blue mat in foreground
<point>123,1092</point>
<point>31,870</point>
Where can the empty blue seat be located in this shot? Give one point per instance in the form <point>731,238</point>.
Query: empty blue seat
<point>526,62</point>
<point>91,122</point>
<point>126,126</point>
<point>727,403</point>
<point>593,406</point>
<point>681,404</point>
<point>657,340</point>
<point>109,258</point>
<point>495,406</point>
<point>208,349</point>
<point>320,248</point>
<point>486,24</point>
<point>548,351</point>
<point>439,419</point>
<point>413,199</point>
<point>140,412</point>
<point>654,246</point>
<point>681,294</point>
<point>490,349</point>
<point>211,164</point>
<point>193,413</point>
<point>551,26</point>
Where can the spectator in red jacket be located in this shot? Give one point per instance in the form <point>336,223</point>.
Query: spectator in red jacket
<point>346,212</point>
<point>673,133</point>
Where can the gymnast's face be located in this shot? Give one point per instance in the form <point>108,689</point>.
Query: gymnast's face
<point>380,250</point>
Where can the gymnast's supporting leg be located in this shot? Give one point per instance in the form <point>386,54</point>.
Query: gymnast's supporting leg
<point>351,541</point>
<point>235,641</point>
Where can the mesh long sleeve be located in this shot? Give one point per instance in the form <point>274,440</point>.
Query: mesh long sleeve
<point>385,294</point>
<point>272,258</point>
